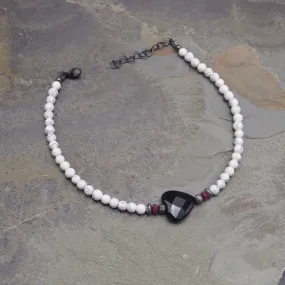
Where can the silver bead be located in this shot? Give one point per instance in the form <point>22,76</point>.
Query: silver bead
<point>208,191</point>
<point>199,199</point>
<point>161,209</point>
<point>148,209</point>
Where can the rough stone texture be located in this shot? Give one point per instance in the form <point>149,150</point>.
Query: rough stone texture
<point>137,132</point>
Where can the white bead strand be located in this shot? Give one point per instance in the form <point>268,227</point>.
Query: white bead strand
<point>195,62</point>
<point>229,95</point>
<point>220,82</point>
<point>105,199</point>
<point>49,122</point>
<point>215,190</point>
<point>49,107</point>
<point>48,114</point>
<point>237,121</point>
<point>214,77</point>
<point>114,202</point>
<point>56,151</point>
<point>53,92</point>
<point>208,72</point>
<point>53,144</point>
<point>59,159</point>
<point>97,195</point>
<point>81,184</point>
<point>69,173</point>
<point>182,52</point>
<point>122,206</point>
<point>201,67</point>
<point>131,207</point>
<point>50,99</point>
<point>56,85</point>
<point>189,56</point>
<point>88,190</point>
<point>140,209</point>
<point>64,165</point>
<point>75,179</point>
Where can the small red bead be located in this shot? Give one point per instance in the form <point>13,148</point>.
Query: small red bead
<point>154,209</point>
<point>204,195</point>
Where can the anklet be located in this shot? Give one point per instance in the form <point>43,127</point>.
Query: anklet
<point>175,204</point>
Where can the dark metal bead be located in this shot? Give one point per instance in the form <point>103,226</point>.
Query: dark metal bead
<point>61,76</point>
<point>161,209</point>
<point>208,191</point>
<point>148,209</point>
<point>174,44</point>
<point>199,199</point>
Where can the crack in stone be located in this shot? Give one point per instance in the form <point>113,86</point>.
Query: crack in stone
<point>255,138</point>
<point>26,220</point>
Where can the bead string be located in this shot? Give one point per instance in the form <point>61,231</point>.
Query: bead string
<point>131,207</point>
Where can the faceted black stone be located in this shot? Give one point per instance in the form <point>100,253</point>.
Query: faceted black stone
<point>178,204</point>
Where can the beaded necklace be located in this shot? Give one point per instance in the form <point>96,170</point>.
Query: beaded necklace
<point>175,204</point>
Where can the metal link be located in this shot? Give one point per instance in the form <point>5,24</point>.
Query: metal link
<point>115,64</point>
<point>73,73</point>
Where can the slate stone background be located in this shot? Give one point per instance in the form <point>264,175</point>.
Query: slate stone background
<point>137,132</point>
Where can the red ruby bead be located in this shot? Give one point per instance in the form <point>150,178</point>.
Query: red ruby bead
<point>205,195</point>
<point>154,209</point>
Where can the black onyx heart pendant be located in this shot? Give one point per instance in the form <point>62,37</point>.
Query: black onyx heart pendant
<point>178,204</point>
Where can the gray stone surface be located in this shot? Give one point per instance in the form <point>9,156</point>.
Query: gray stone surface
<point>137,132</point>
